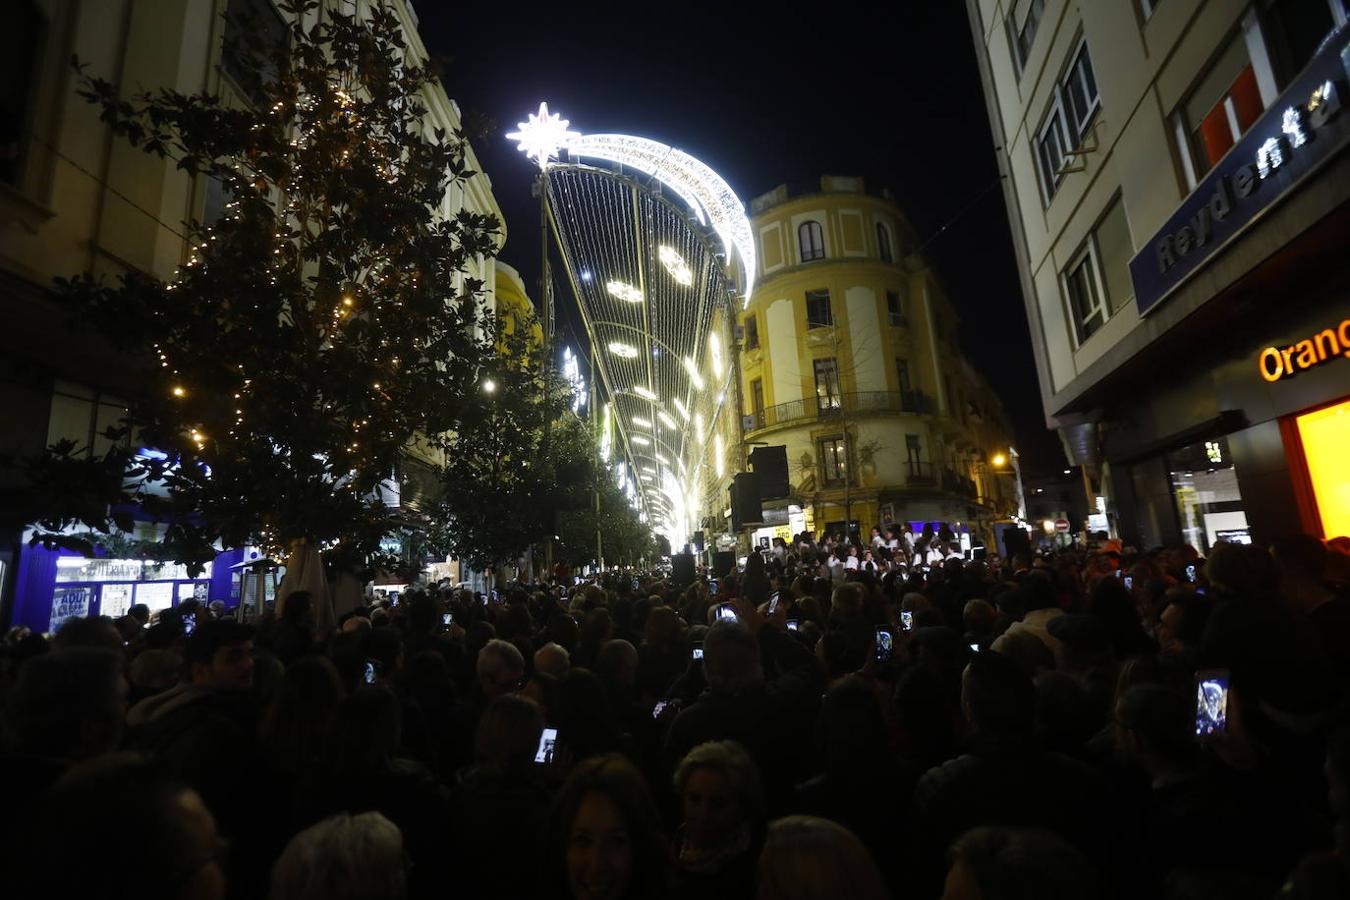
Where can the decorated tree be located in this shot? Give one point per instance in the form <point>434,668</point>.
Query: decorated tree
<point>316,328</point>
<point>519,459</point>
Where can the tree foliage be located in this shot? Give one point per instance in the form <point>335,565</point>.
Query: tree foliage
<point>314,329</point>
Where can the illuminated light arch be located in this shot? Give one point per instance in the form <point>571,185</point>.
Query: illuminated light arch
<point>543,135</point>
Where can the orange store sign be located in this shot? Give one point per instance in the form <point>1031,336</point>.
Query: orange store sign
<point>1282,362</point>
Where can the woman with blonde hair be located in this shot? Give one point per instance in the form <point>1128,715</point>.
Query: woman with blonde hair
<point>806,858</point>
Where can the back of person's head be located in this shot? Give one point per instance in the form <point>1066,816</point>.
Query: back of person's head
<point>297,725</point>
<point>852,728</point>
<point>69,705</point>
<point>995,863</point>
<point>1241,568</point>
<point>662,627</point>
<point>847,600</point>
<point>998,696</point>
<point>553,659</point>
<point>140,612</point>
<point>297,608</point>
<point>617,662</point>
<point>385,645</point>
<point>128,795</point>
<point>597,627</point>
<point>979,616</point>
<point>369,729</point>
<point>1065,715</point>
<point>1301,557</point>
<point>213,636</point>
<point>602,793</point>
<point>94,632</point>
<point>1159,721</point>
<point>1025,649</point>
<point>508,734</point>
<point>153,671</point>
<point>345,857</point>
<point>731,659</point>
<point>807,858</point>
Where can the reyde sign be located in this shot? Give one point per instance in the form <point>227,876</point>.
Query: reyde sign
<point>1302,129</point>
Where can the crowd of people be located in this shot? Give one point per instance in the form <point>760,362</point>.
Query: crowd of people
<point>915,725</point>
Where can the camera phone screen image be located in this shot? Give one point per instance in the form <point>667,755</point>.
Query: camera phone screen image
<point>773,603</point>
<point>698,653</point>
<point>370,672</point>
<point>725,613</point>
<point>974,648</point>
<point>885,645</point>
<point>548,742</point>
<point>659,708</point>
<point>1190,572</point>
<point>189,623</point>
<point>907,620</point>
<point>793,625</point>
<point>446,619</point>
<point>1211,704</point>
<point>1129,582</point>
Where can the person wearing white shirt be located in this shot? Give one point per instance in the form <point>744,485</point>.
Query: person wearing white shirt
<point>851,562</point>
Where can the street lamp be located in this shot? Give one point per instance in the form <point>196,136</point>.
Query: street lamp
<point>999,460</point>
<point>489,386</point>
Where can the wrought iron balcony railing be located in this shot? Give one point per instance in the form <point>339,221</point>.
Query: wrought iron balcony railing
<point>810,409</point>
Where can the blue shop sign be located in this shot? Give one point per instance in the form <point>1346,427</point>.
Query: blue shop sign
<point>1302,130</point>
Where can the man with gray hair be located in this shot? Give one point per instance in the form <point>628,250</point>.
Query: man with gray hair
<point>345,856</point>
<point>553,659</point>
<point>762,689</point>
<point>500,668</point>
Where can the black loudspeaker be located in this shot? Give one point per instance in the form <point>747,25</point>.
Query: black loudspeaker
<point>724,563</point>
<point>745,508</point>
<point>771,468</point>
<point>698,540</point>
<point>682,569</point>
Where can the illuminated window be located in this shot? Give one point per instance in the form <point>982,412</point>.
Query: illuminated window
<point>1325,434</point>
<point>833,461</point>
<point>751,332</point>
<point>811,241</point>
<point>827,383</point>
<point>1221,107</point>
<point>251,24</point>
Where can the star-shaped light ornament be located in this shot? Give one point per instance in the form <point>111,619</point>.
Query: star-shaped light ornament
<point>543,135</point>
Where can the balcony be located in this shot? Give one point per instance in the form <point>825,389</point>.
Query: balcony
<point>816,409</point>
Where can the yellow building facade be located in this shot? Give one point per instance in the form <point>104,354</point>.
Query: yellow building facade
<point>848,356</point>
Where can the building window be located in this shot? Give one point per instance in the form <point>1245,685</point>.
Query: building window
<point>811,241</point>
<point>884,243</point>
<point>1073,104</point>
<point>913,454</point>
<point>1051,147</point>
<point>1022,24</point>
<point>84,416</point>
<point>21,42</point>
<point>1224,103</point>
<point>827,383</point>
<point>818,313</point>
<point>1080,91</point>
<point>757,397</point>
<point>834,461</point>
<point>1114,248</point>
<point>751,331</point>
<point>895,313</point>
<point>253,30</point>
<point>1296,29</point>
<point>902,375</point>
<point>1083,290</point>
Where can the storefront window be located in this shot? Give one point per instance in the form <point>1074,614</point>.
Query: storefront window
<point>1205,486</point>
<point>1325,435</point>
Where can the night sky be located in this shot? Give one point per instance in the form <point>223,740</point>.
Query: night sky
<point>762,99</point>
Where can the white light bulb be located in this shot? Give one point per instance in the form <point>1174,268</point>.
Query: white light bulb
<point>665,419</point>
<point>644,392</point>
<point>627,351</point>
<point>640,440</point>
<point>682,410</point>
<point>715,350</point>
<point>641,422</point>
<point>719,464</point>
